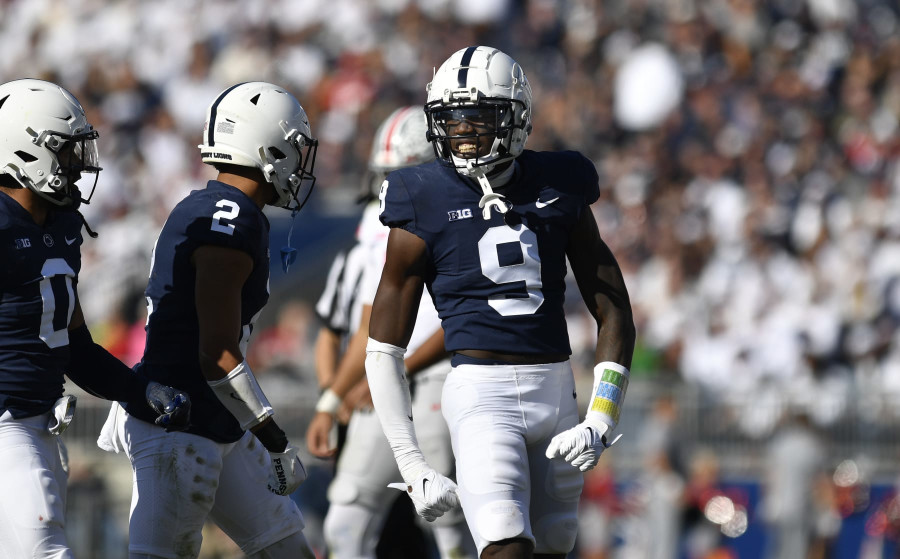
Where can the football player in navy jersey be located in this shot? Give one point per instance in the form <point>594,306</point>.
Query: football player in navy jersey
<point>487,228</point>
<point>46,144</point>
<point>208,283</point>
<point>359,496</point>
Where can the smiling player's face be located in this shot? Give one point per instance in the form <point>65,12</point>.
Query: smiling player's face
<point>472,130</point>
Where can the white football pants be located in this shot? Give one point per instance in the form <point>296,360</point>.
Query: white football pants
<point>32,490</point>
<point>501,420</point>
<point>181,479</point>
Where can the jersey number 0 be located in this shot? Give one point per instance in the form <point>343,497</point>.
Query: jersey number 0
<point>58,300</point>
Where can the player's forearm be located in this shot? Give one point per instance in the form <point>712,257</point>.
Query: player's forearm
<point>217,360</point>
<point>615,335</point>
<point>99,373</point>
<point>327,349</point>
<point>352,367</point>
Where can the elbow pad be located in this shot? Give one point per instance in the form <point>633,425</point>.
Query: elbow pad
<point>242,396</point>
<point>390,395</point>
<point>608,395</point>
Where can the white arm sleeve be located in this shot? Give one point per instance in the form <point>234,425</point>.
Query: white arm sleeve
<point>390,395</point>
<point>242,396</point>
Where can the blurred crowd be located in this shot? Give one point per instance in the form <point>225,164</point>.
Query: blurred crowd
<point>748,151</point>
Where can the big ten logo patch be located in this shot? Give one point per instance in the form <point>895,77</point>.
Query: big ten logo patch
<point>456,215</point>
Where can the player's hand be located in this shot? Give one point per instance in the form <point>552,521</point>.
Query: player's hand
<point>359,397</point>
<point>172,405</point>
<point>318,435</point>
<point>287,472</point>
<point>581,445</point>
<point>431,493</point>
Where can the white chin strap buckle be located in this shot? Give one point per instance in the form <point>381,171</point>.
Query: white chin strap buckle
<point>490,199</point>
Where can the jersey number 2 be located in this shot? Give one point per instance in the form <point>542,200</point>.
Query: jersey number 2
<point>528,270</point>
<point>58,299</point>
<point>229,214</point>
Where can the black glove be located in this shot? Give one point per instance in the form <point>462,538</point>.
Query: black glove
<point>172,405</point>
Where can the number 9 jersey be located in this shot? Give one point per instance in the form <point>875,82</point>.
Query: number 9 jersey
<point>218,215</point>
<point>498,284</point>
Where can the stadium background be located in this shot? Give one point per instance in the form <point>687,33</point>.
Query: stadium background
<point>748,154</point>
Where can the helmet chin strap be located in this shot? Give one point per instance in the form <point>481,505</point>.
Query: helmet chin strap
<point>490,199</point>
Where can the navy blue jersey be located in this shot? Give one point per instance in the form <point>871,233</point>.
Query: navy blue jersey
<point>38,282</point>
<point>498,284</point>
<point>219,215</point>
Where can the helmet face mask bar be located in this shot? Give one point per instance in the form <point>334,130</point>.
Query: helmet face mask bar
<point>300,183</point>
<point>75,154</point>
<point>472,132</point>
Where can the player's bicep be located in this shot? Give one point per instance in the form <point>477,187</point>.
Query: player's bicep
<point>596,271</point>
<point>220,276</point>
<point>400,289</point>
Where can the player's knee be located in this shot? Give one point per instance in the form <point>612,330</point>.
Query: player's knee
<point>555,533</point>
<point>514,548</point>
<point>501,520</point>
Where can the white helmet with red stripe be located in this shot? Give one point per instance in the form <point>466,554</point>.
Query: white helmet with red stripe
<point>399,142</point>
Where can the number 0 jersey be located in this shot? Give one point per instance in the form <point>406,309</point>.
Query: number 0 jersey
<point>498,284</point>
<point>38,281</point>
<point>219,215</point>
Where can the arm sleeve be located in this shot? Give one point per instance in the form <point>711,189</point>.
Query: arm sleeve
<point>99,373</point>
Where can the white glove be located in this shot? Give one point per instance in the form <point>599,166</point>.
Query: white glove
<point>431,493</point>
<point>581,445</point>
<point>287,472</point>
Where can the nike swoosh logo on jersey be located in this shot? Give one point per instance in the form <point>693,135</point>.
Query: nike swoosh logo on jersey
<point>540,204</point>
<point>236,397</point>
<point>70,241</point>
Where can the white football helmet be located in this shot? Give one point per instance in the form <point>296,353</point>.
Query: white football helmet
<point>258,124</point>
<point>487,89</point>
<point>46,142</point>
<point>399,142</point>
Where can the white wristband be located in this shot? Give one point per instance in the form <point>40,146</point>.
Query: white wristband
<point>608,395</point>
<point>241,395</point>
<point>329,402</point>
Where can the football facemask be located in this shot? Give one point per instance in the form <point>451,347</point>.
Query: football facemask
<point>75,155</point>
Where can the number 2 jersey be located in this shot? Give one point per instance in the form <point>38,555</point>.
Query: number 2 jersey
<point>38,281</point>
<point>219,215</point>
<point>498,284</point>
